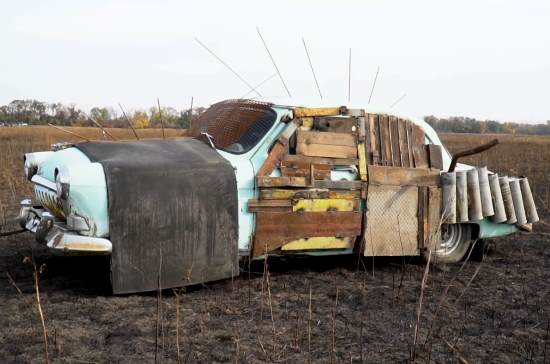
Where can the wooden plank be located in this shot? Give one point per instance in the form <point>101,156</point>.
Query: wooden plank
<point>318,174</point>
<point>385,134</point>
<point>265,181</point>
<point>435,156</point>
<point>422,216</point>
<point>403,143</point>
<point>300,112</point>
<point>305,224</point>
<point>326,138</point>
<point>326,144</point>
<point>289,130</point>
<point>373,136</point>
<point>341,185</point>
<point>394,137</point>
<point>301,164</point>
<point>320,243</point>
<point>434,217</point>
<point>335,124</point>
<point>324,205</point>
<point>361,153</point>
<point>321,160</point>
<point>275,155</point>
<point>289,194</point>
<point>368,148</point>
<point>307,123</point>
<point>269,205</point>
<point>419,153</point>
<point>401,176</point>
<point>410,143</point>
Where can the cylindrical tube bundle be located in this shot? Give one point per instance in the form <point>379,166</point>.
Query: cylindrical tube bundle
<point>448,182</point>
<point>474,198</point>
<point>518,202</point>
<point>461,196</point>
<point>500,211</point>
<point>507,199</point>
<point>528,202</point>
<point>485,192</point>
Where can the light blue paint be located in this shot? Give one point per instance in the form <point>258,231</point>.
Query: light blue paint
<point>488,229</point>
<point>88,189</point>
<point>245,166</point>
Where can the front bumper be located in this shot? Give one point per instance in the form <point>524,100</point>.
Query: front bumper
<point>55,234</point>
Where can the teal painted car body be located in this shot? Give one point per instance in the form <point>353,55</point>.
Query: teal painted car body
<point>88,191</point>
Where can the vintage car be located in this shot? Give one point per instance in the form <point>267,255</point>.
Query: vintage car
<point>255,178</point>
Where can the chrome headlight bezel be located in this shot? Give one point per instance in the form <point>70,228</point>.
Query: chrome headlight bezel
<point>62,183</point>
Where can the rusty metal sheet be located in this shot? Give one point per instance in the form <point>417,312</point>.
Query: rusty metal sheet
<point>392,223</point>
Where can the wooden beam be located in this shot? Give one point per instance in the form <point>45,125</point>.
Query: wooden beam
<point>265,181</point>
<point>275,155</point>
<point>321,160</point>
<point>394,137</point>
<point>339,185</point>
<point>289,194</point>
<point>300,112</point>
<point>419,153</point>
<point>401,176</point>
<point>403,143</point>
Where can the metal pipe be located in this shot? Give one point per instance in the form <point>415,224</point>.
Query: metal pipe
<point>507,199</point>
<point>472,151</point>
<point>496,194</point>
<point>448,182</point>
<point>528,201</point>
<point>485,192</point>
<point>474,206</point>
<point>461,196</point>
<point>518,202</point>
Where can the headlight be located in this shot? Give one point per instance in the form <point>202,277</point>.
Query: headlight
<point>62,183</point>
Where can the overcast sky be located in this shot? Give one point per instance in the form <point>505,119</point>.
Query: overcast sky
<point>486,59</point>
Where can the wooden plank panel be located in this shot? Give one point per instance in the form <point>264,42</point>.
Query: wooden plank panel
<point>385,141</point>
<point>434,217</point>
<point>324,205</point>
<point>361,153</point>
<point>419,152</point>
<point>394,137</point>
<point>336,124</point>
<point>320,243</point>
<point>318,174</point>
<point>435,156</point>
<point>374,138</point>
<point>338,185</point>
<point>304,224</point>
<point>288,194</point>
<point>403,143</point>
<point>401,176</point>
<point>410,143</point>
<point>273,159</point>
<point>320,150</point>
<point>423,232</point>
<point>282,181</point>
<point>300,112</point>
<point>321,160</point>
<point>326,138</point>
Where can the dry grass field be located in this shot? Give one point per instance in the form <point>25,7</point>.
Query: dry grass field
<point>313,310</point>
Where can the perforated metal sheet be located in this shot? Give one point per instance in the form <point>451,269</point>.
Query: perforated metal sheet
<point>392,221</point>
<point>229,120</point>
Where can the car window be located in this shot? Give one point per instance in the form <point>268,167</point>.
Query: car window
<point>234,126</point>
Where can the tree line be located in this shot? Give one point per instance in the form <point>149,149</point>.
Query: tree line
<point>33,112</point>
<point>460,124</point>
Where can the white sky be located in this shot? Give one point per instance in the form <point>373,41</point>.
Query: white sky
<point>480,58</point>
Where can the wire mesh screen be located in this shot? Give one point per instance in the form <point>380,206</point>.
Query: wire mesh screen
<point>228,121</point>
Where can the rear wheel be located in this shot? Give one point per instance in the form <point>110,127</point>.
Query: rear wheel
<point>454,244</point>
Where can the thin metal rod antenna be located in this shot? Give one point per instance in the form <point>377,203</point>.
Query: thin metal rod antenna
<point>259,85</point>
<point>398,100</point>
<point>312,70</point>
<point>349,76</point>
<point>161,121</point>
<point>374,83</point>
<point>69,132</point>
<point>227,66</point>
<point>273,61</point>
<point>129,122</point>
<point>102,128</point>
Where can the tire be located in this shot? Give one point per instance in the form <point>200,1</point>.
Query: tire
<point>455,244</point>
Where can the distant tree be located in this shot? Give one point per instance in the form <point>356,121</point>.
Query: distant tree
<point>140,119</point>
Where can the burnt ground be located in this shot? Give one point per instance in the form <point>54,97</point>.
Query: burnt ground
<point>494,311</point>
